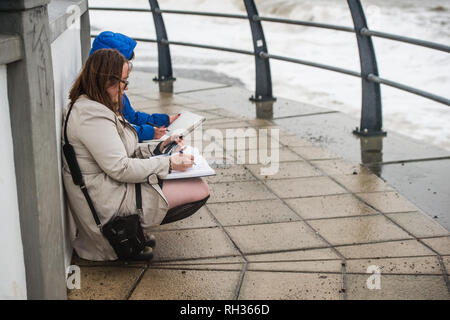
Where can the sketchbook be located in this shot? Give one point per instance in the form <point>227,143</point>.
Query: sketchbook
<point>185,124</point>
<point>200,168</point>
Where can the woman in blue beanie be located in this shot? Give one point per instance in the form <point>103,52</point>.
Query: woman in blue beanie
<point>125,45</point>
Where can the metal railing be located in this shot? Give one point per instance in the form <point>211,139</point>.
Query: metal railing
<point>371,112</point>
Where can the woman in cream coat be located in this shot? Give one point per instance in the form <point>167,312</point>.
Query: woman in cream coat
<point>112,161</point>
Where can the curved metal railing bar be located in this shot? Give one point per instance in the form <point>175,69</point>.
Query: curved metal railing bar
<point>364,32</point>
<point>119,9</point>
<point>373,78</point>
<point>313,64</point>
<point>422,43</point>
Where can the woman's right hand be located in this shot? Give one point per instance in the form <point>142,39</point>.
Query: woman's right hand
<point>159,132</point>
<point>181,161</point>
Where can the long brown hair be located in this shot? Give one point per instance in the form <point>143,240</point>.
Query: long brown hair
<point>102,70</point>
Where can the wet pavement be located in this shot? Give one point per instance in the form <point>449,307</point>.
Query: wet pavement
<point>322,227</point>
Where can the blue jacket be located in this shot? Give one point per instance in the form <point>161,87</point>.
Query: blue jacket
<point>125,45</point>
<point>139,120</point>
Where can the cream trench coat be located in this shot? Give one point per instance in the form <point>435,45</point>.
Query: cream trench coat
<point>111,161</point>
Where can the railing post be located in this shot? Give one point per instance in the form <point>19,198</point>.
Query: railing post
<point>164,60</point>
<point>263,90</point>
<point>371,114</point>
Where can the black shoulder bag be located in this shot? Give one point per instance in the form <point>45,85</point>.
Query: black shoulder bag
<point>124,233</point>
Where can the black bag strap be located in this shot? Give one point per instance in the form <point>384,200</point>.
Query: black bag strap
<point>77,177</point>
<point>138,197</point>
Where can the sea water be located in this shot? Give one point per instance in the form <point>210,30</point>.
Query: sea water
<point>422,68</point>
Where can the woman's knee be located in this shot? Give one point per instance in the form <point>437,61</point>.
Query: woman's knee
<point>179,192</point>
<point>203,189</point>
<point>198,190</point>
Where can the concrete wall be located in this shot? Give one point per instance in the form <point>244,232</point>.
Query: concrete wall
<point>40,55</point>
<point>12,267</point>
<point>66,57</point>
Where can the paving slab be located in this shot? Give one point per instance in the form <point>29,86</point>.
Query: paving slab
<point>294,141</point>
<point>205,107</point>
<point>284,154</point>
<point>358,230</point>
<point>239,140</point>
<point>242,124</point>
<point>137,99</point>
<point>105,283</point>
<point>440,245</point>
<point>419,224</point>
<point>314,153</point>
<point>208,115</point>
<point>252,212</point>
<point>305,187</point>
<point>237,100</point>
<point>404,248</point>
<point>362,183</point>
<point>165,284</point>
<point>200,261</point>
<point>193,243</point>
<point>410,265</point>
<point>239,191</point>
<point>424,182</point>
<point>222,120</point>
<point>320,266</point>
<point>76,260</point>
<point>388,202</point>
<point>446,260</point>
<point>204,266</point>
<point>219,264</point>
<point>344,205</point>
<point>150,107</point>
<point>259,285</point>
<point>340,166</point>
<point>158,100</point>
<point>287,154</point>
<point>295,169</point>
<point>201,219</point>
<point>296,255</point>
<point>398,287</point>
<point>274,237</point>
<point>231,173</point>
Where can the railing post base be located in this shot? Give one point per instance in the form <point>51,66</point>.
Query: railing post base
<point>262,99</point>
<point>369,133</point>
<point>165,85</point>
<point>164,79</point>
<point>264,109</point>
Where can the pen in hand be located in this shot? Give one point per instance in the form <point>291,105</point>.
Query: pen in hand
<point>181,151</point>
<point>170,147</point>
<point>156,126</point>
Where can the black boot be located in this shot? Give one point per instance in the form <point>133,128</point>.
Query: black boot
<point>151,242</point>
<point>145,255</point>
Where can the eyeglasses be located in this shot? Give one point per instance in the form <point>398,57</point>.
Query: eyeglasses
<point>125,82</point>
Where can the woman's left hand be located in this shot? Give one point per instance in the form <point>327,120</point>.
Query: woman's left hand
<point>173,118</point>
<point>173,138</point>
